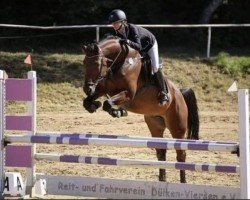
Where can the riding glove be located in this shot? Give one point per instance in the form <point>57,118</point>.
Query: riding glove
<point>124,41</point>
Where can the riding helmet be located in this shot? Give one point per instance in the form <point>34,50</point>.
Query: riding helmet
<point>116,15</point>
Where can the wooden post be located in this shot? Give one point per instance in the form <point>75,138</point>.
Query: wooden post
<point>243,110</point>
<point>31,172</point>
<point>2,174</point>
<point>208,41</point>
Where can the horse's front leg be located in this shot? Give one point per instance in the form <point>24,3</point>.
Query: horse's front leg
<point>90,104</point>
<point>117,100</point>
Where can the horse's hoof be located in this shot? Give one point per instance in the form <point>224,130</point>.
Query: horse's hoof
<point>86,103</point>
<point>124,113</point>
<point>116,113</point>
<point>97,104</point>
<point>162,179</point>
<point>107,107</point>
<point>91,108</point>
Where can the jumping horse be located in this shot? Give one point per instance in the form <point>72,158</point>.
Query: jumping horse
<point>116,71</point>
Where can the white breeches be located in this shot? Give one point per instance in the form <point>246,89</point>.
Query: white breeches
<point>154,56</point>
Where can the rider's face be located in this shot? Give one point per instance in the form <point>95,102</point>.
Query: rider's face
<point>117,25</point>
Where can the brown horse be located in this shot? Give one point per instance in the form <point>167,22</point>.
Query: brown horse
<point>115,70</point>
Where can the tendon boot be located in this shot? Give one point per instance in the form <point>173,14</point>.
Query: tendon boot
<point>161,83</point>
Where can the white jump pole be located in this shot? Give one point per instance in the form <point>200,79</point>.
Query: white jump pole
<point>243,111</point>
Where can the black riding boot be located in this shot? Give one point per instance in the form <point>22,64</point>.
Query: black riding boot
<point>161,83</point>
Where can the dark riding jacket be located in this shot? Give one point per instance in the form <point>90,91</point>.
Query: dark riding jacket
<point>140,38</point>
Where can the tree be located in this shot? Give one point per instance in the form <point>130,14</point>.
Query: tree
<point>209,9</point>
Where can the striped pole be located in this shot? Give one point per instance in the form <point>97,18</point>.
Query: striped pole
<point>138,163</point>
<point>112,136</point>
<point>121,143</point>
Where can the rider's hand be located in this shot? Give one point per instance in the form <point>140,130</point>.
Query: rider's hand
<point>124,41</point>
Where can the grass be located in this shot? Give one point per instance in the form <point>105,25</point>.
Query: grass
<point>232,65</point>
<point>58,95</point>
<point>60,78</point>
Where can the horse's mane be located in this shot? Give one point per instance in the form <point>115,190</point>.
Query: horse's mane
<point>108,37</point>
<point>92,47</point>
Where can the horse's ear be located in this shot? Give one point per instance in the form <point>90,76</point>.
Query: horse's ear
<point>96,48</point>
<point>84,48</point>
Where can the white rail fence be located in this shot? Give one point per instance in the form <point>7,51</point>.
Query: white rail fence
<point>97,27</point>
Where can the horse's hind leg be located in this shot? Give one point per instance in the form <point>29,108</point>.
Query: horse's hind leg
<point>156,126</point>
<point>176,121</point>
<point>181,157</point>
<point>178,132</point>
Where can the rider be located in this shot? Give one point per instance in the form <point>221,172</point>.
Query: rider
<point>141,40</point>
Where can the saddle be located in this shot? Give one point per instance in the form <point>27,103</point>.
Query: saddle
<point>147,70</point>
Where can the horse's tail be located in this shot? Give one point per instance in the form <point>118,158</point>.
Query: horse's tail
<point>193,116</point>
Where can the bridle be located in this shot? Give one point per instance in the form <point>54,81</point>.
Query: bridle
<point>109,72</point>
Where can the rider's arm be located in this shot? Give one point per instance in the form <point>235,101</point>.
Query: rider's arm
<point>134,39</point>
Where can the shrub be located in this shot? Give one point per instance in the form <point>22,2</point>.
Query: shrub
<point>233,65</point>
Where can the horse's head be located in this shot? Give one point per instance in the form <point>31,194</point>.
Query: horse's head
<point>97,61</point>
<point>93,63</point>
<point>101,61</point>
